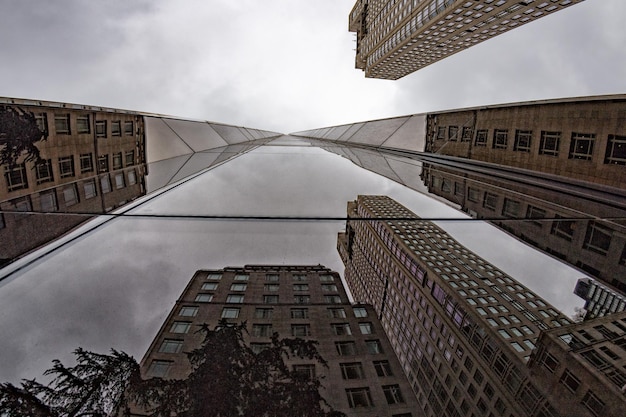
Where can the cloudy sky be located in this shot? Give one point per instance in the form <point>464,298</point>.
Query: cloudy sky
<point>285,65</point>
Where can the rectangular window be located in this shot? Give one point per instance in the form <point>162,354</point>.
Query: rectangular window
<point>204,298</point>
<point>468,134</point>
<point>327,278</point>
<point>86,162</point>
<point>215,277</point>
<point>101,129</point>
<point>43,172</point>
<point>234,298</point>
<point>441,132</point>
<point>105,183</point>
<point>366,328</point>
<point>522,140</point>
<point>116,128</point>
<point>549,362</point>
<point>271,277</point>
<point>230,313</point>
<point>70,195</point>
<point>490,200</point>
<point>300,287</point>
<point>302,299</point>
<point>453,132</point>
<point>473,194</point>
<point>300,330</point>
<point>129,158</point>
<point>299,313</point>
<point>329,288</point>
<point>159,368</point>
<point>180,327</point>
<point>352,370</point>
<point>241,277</point>
<point>374,347</point>
<point>238,286</point>
<point>259,347</point>
<point>82,124</point>
<point>459,189</point>
<point>211,286</point>
<point>359,397</point>
<point>393,394</point>
<point>549,143</point>
<point>188,311</point>
<point>581,146</point>
<point>263,313</point>
<point>383,368</point>
<point>563,228</point>
<point>66,166</point>
<point>119,180</point>
<point>341,329</point>
<point>42,121</point>
<point>48,201</point>
<point>299,277</point>
<point>261,330</point>
<point>597,238</point>
<point>62,124</point>
<point>359,312</point>
<point>306,372</point>
<point>338,313</point>
<point>511,208</point>
<point>332,299</point>
<point>90,189</point>
<point>270,299</point>
<point>345,348</point>
<point>500,138</point>
<point>117,160</point>
<point>128,129</point>
<point>171,346</point>
<point>481,137</point>
<point>533,212</point>
<point>132,177</point>
<point>103,163</point>
<point>615,150</point>
<point>593,403</point>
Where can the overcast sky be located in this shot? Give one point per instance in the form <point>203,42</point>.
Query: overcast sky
<point>285,65</point>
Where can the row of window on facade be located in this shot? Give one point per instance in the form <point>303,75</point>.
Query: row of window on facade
<point>83,125</point>
<point>48,200</point>
<point>17,176</point>
<point>237,286</point>
<point>581,145</point>
<point>270,277</point>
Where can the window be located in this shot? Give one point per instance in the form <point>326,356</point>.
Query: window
<point>103,163</point>
<point>338,313</point>
<point>270,299</point>
<point>453,132</point>
<point>535,213</point>
<point>119,180</point>
<point>490,200</point>
<point>132,177</point>
<point>42,121</point>
<point>299,277</point>
<point>271,277</point>
<point>360,312</point>
<point>48,201</point>
<point>62,124</point>
<point>383,368</point>
<point>329,288</point>
<point>473,194</point>
<point>86,162</point>
<point>117,160</point>
<point>597,238</point>
<point>258,347</point>
<point>301,299</point>
<point>262,330</point>
<point>305,371</point>
<point>332,299</point>
<point>511,208</point>
<point>101,129</point>
<point>345,348</point>
<point>129,158</point>
<point>522,140</point>
<point>215,277</point>
<point>366,328</point>
<point>180,327</point>
<point>300,330</point>
<point>593,403</point>
<point>341,329</point>
<point>299,313</point>
<point>204,298</point>
<point>481,138</point>
<point>549,362</point>
<point>105,183</point>
<point>549,144</point>
<point>500,138</point>
<point>359,397</point>
<point>468,133</point>
<point>188,311</point>
<point>615,150</point>
<point>230,313</point>
<point>581,146</point>
<point>504,334</point>
<point>563,228</point>
<point>82,124</point>
<point>327,278</point>
<point>70,195</point>
<point>159,368</point>
<point>116,128</point>
<point>393,394</point>
<point>263,313</point>
<point>441,132</point>
<point>234,298</point>
<point>209,286</point>
<point>43,172</point>
<point>171,346</point>
<point>517,346</point>
<point>90,189</point>
<point>128,129</point>
<point>300,287</point>
<point>374,347</point>
<point>352,370</point>
<point>66,166</point>
<point>236,286</point>
<point>241,277</point>
<point>22,204</point>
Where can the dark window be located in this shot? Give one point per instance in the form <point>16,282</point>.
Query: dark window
<point>305,371</point>
<point>270,299</point>
<point>523,140</point>
<point>468,133</point>
<point>453,132</point>
<point>341,329</point>
<point>117,160</point>
<point>299,313</point>
<point>533,212</point>
<point>271,287</point>
<point>549,143</point>
<point>570,381</point>
<point>593,403</point>
<point>615,150</point>
<point>374,347</point>
<point>345,348</point>
<point>301,299</point>
<point>86,162</point>
<point>62,124</point>
<point>103,163</point>
<point>383,368</point>
<point>511,208</point>
<point>597,238</point>
<point>393,394</point>
<point>101,129</point>
<point>500,138</point>
<point>473,194</point>
<point>353,370</point>
<point>82,124</point>
<point>481,137</point>
<point>359,397</point>
<point>441,132</point>
<point>563,228</point>
<point>116,128</point>
<point>171,346</point>
<point>43,172</point>
<point>263,313</point>
<point>300,330</point>
<point>261,330</point>
<point>159,368</point>
<point>490,200</point>
<point>581,146</point>
<point>128,129</point>
<point>42,121</point>
<point>130,158</point>
<point>300,287</point>
<point>459,189</point>
<point>66,166</point>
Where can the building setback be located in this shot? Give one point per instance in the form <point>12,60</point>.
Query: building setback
<point>463,329</point>
<point>363,378</point>
<point>600,301</point>
<point>395,38</point>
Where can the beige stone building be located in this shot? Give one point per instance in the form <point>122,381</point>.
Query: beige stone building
<point>363,378</point>
<point>397,37</point>
<point>94,161</point>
